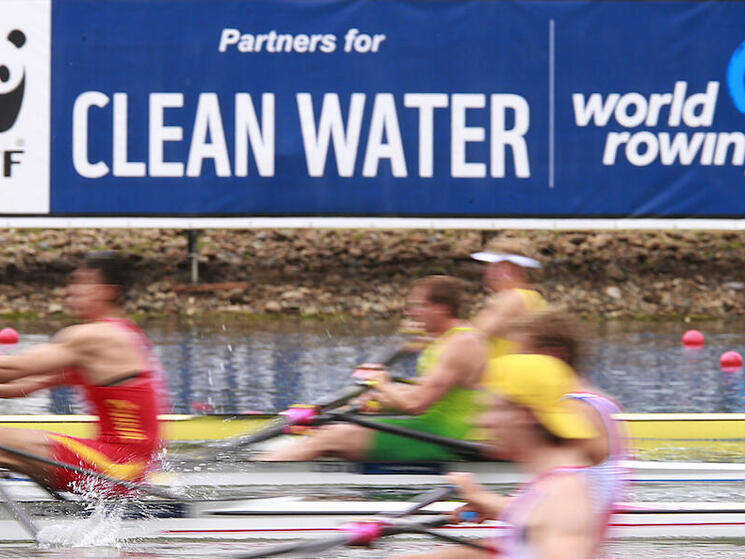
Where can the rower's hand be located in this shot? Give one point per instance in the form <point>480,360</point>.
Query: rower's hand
<point>485,504</point>
<point>373,400</point>
<point>377,377</point>
<point>467,513</point>
<point>369,402</point>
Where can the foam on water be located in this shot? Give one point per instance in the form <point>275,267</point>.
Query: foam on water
<point>100,525</point>
<point>101,529</point>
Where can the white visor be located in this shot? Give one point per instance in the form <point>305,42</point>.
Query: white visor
<point>493,257</point>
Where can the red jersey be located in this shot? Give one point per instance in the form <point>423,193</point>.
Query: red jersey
<point>129,433</point>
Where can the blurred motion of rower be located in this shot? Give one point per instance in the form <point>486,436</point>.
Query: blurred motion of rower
<point>442,401</point>
<point>507,276</point>
<point>112,361</point>
<point>555,333</point>
<point>529,420</point>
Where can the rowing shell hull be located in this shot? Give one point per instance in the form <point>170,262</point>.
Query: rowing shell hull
<point>325,474</point>
<point>293,519</point>
<point>347,474</point>
<point>692,436</point>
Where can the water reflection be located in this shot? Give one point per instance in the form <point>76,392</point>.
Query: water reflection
<point>650,371</point>
<point>235,368</point>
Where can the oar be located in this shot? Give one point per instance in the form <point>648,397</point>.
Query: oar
<point>92,473</point>
<point>426,499</point>
<point>354,533</point>
<point>18,512</point>
<point>466,449</point>
<point>452,539</point>
<point>433,496</point>
<point>306,414</point>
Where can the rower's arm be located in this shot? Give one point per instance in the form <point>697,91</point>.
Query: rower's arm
<point>462,355</point>
<point>27,385</point>
<point>487,505</point>
<point>62,352</point>
<point>494,319</point>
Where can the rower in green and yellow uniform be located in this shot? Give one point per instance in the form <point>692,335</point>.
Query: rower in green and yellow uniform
<point>441,402</point>
<point>506,275</point>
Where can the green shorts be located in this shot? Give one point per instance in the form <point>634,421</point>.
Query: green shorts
<point>387,447</point>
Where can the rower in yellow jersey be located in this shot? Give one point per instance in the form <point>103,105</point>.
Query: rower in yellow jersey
<point>506,275</point>
<point>442,402</point>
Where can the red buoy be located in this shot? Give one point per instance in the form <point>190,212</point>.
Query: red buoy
<point>8,336</point>
<point>202,407</point>
<point>693,338</point>
<point>730,361</point>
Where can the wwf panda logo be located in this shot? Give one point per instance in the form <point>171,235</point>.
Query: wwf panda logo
<point>12,78</point>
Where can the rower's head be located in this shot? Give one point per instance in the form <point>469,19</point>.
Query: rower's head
<point>529,408</point>
<point>97,285</point>
<point>550,331</point>
<point>435,301</point>
<point>507,263</point>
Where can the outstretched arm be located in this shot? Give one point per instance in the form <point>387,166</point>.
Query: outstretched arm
<point>61,353</point>
<point>27,385</point>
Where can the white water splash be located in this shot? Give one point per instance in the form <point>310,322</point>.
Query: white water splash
<point>101,524</point>
<point>101,529</point>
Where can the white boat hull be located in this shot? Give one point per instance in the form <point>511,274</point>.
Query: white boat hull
<point>290,518</point>
<point>340,473</point>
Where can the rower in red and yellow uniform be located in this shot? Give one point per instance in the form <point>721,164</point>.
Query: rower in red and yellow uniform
<point>111,359</point>
<point>506,275</point>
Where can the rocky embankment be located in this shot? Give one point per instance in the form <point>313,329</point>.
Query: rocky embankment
<point>317,273</point>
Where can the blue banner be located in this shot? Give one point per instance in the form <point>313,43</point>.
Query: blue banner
<point>397,108</point>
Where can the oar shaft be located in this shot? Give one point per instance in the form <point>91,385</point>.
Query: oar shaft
<point>305,547</point>
<point>343,397</point>
<point>465,448</point>
<point>18,513</point>
<point>456,539</point>
<point>91,473</point>
<point>280,425</point>
<point>396,355</point>
<point>433,496</point>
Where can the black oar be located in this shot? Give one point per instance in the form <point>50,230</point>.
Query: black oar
<point>306,414</point>
<point>355,532</point>
<point>92,473</point>
<point>466,449</point>
<point>18,512</point>
<point>434,496</point>
<point>452,539</point>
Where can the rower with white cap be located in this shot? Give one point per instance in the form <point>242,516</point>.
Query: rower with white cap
<point>506,275</point>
